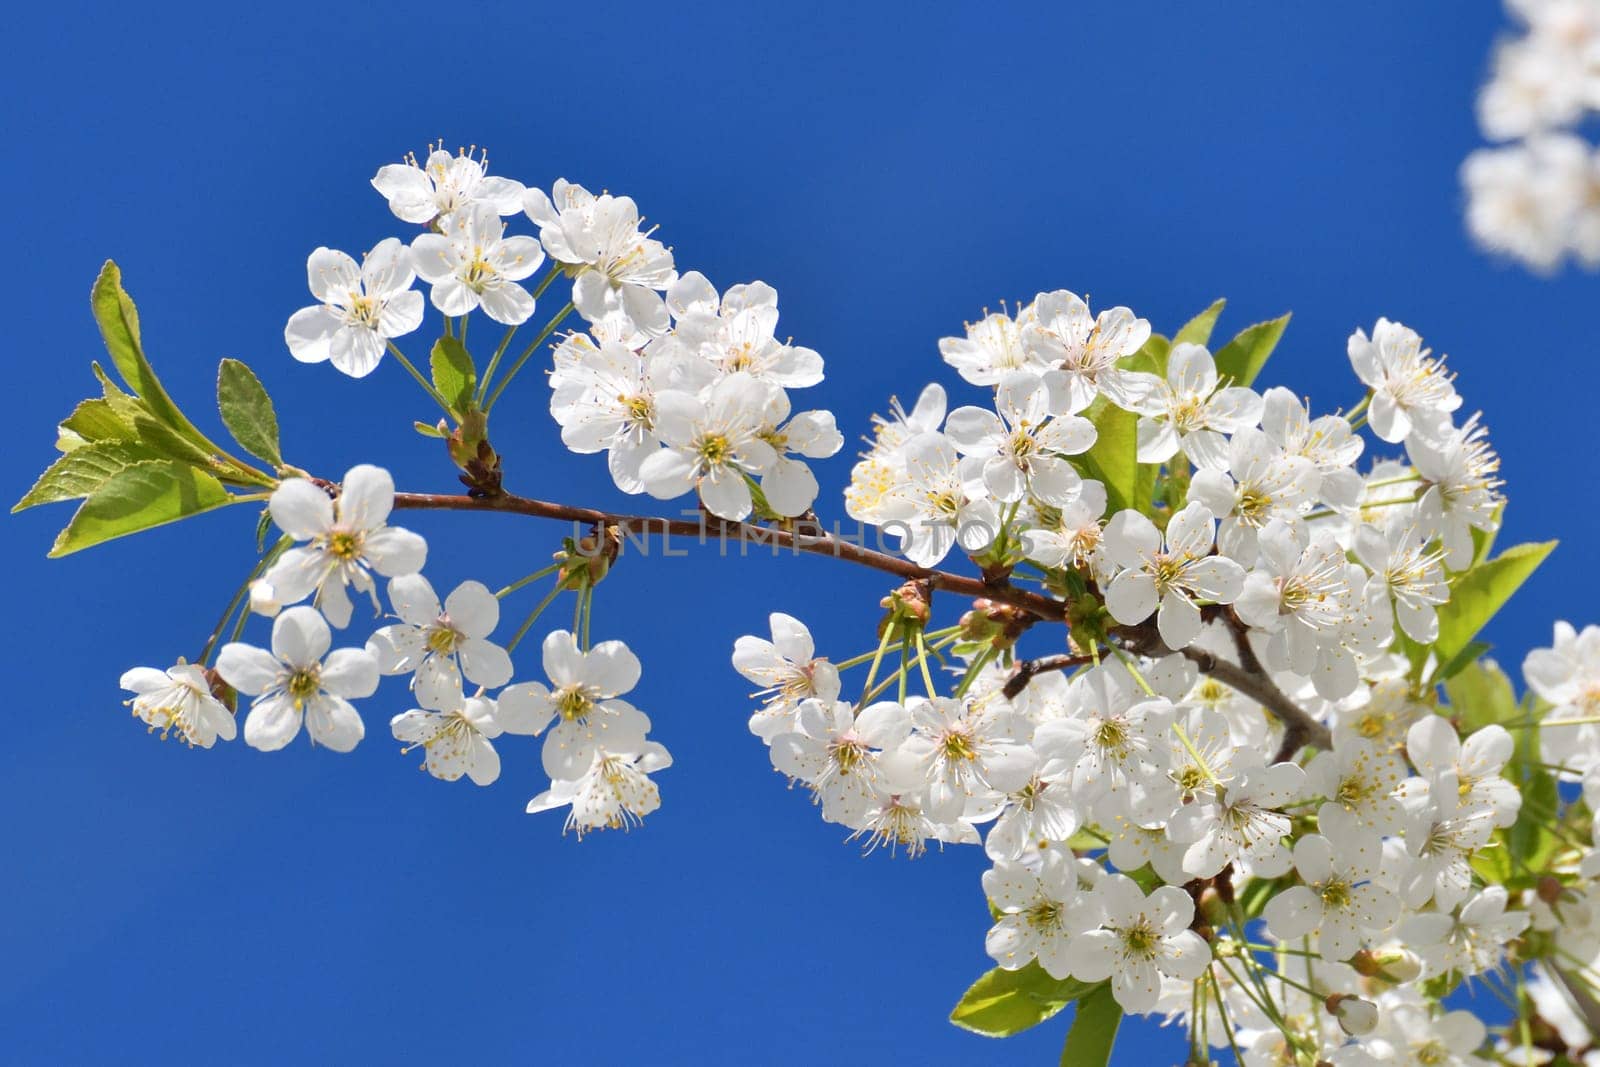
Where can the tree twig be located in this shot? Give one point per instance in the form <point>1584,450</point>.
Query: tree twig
<point>1248,677</point>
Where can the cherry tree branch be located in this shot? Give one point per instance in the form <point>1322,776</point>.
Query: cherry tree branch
<point>807,536</point>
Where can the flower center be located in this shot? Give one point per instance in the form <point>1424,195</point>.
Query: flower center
<point>958,746</point>
<point>1111,735</point>
<point>1336,894</point>
<point>344,545</point>
<point>442,639</point>
<point>573,704</point>
<point>479,273</point>
<point>1140,939</point>
<point>1045,915</point>
<point>714,450</point>
<point>303,684</point>
<point>364,310</point>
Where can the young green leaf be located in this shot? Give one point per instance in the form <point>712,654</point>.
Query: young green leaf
<point>1094,1030</point>
<point>100,419</point>
<point>247,411</point>
<point>1242,358</point>
<point>1480,694</point>
<point>1480,592</point>
<point>1002,1002</point>
<point>139,497</point>
<point>81,471</point>
<point>1198,329</point>
<point>1112,459</point>
<point>119,326</point>
<point>453,374</point>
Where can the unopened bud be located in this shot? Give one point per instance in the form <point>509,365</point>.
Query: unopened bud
<point>1356,1017</point>
<point>263,599</point>
<point>913,601</point>
<point>1550,889</point>
<point>586,561</point>
<point>1394,965</point>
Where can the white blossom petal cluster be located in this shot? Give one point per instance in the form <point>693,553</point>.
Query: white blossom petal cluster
<point>1532,196</point>
<point>700,405</point>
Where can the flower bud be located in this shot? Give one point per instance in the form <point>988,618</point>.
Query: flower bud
<point>263,600</point>
<point>1550,889</point>
<point>1395,965</point>
<point>1356,1017</point>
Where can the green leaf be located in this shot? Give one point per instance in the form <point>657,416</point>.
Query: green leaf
<point>1447,670</point>
<point>247,411</point>
<point>1113,460</point>
<point>81,471</point>
<point>119,326</point>
<point>1478,593</point>
<point>1528,839</point>
<point>139,497</point>
<point>101,419</point>
<point>1198,329</point>
<point>428,431</point>
<point>453,374</point>
<point>1242,358</point>
<point>1002,1002</point>
<point>263,526</point>
<point>163,440</point>
<point>1094,1030</point>
<point>1480,694</point>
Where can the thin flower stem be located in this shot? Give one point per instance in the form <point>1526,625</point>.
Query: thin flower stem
<point>1149,692</point>
<point>973,670</point>
<point>494,361</point>
<point>1586,721</point>
<point>522,630</point>
<point>877,657</point>
<point>461,330</point>
<point>905,668</point>
<point>526,579</point>
<point>588,613</point>
<point>577,615</point>
<point>1361,405</point>
<point>922,664</point>
<point>238,597</point>
<point>549,328</point>
<point>427,386</point>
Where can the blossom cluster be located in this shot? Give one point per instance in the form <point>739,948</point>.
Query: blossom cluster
<point>1121,793</point>
<point>1265,783</point>
<point>1533,195</point>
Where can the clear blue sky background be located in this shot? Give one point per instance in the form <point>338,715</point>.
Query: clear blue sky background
<point>891,173</point>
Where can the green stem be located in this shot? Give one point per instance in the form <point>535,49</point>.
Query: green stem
<point>922,663</point>
<point>520,582</point>
<point>427,386</point>
<point>238,597</point>
<point>522,630</point>
<point>494,361</point>
<point>549,328</point>
<point>877,657</point>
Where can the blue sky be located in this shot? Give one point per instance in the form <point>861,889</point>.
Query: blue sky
<point>890,175</point>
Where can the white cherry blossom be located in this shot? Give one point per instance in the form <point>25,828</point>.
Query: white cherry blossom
<point>443,185</point>
<point>294,683</point>
<point>1190,410</point>
<point>582,702</point>
<point>179,700</point>
<point>1164,576</point>
<point>362,308</point>
<point>598,238</point>
<point>347,540</point>
<point>474,264</point>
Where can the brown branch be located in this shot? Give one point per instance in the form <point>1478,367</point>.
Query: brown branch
<point>1028,668</point>
<point>807,537</point>
<point>1249,678</point>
